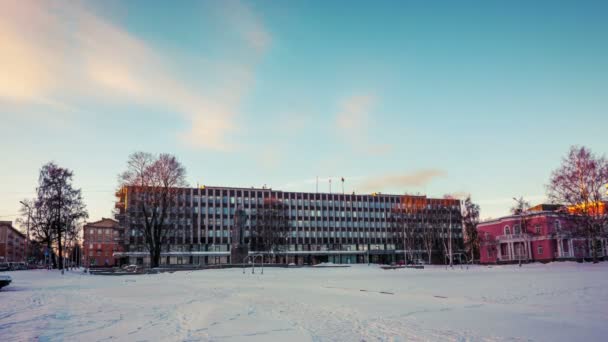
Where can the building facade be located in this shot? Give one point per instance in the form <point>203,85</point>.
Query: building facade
<point>545,233</point>
<point>12,243</point>
<point>101,240</point>
<point>322,227</point>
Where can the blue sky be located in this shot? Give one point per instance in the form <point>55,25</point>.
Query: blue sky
<point>444,97</point>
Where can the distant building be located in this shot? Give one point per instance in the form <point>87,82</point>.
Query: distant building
<point>101,240</point>
<point>322,227</point>
<point>544,233</point>
<point>12,243</point>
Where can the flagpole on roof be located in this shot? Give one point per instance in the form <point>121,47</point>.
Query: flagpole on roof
<point>342,185</point>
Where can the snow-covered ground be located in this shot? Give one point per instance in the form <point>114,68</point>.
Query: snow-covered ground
<point>555,302</point>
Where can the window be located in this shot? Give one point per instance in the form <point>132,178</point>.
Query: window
<point>507,230</point>
<point>537,228</point>
<point>557,225</point>
<point>540,250</point>
<point>516,229</point>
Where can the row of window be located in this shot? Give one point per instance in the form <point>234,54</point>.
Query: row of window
<point>537,228</point>
<point>294,234</point>
<point>252,201</point>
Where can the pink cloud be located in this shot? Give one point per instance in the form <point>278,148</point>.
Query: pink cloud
<point>353,123</point>
<point>404,180</point>
<point>50,53</point>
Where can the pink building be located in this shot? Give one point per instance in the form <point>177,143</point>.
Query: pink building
<point>542,234</point>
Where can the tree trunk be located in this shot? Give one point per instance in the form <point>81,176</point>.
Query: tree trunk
<point>594,250</point>
<point>155,257</point>
<point>60,249</point>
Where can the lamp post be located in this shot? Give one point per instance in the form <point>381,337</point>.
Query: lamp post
<point>27,238</point>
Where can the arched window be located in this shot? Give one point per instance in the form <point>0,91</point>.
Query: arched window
<point>507,230</point>
<point>557,225</point>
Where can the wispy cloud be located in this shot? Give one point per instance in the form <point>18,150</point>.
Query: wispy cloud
<point>461,195</point>
<point>353,117</point>
<point>369,184</point>
<point>405,180</point>
<point>353,123</point>
<point>50,54</point>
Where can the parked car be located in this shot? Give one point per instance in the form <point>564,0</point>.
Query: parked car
<point>5,280</point>
<point>4,266</point>
<point>17,266</point>
<point>130,268</point>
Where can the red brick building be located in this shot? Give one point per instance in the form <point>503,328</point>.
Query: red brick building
<point>12,243</point>
<point>101,240</point>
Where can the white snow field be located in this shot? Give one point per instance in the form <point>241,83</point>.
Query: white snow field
<point>554,302</point>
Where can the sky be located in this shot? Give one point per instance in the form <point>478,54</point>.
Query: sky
<point>444,97</point>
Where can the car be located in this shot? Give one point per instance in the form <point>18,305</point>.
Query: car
<point>5,280</point>
<point>130,268</point>
<point>4,266</point>
<point>17,266</point>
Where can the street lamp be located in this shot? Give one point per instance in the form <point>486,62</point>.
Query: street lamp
<point>27,238</point>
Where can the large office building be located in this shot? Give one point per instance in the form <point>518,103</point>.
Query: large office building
<point>321,227</point>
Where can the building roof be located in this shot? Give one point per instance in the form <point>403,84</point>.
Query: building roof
<point>552,213</point>
<point>103,223</point>
<point>546,207</point>
<point>9,224</point>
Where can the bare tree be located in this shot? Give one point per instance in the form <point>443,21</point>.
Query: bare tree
<point>579,183</point>
<point>57,211</point>
<point>154,182</point>
<point>470,220</point>
<point>40,221</point>
<point>271,226</point>
<point>404,227</point>
<point>427,232</point>
<point>521,206</point>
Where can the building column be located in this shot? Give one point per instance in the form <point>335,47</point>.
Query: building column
<point>511,251</point>
<point>499,251</point>
<point>529,250</point>
<point>571,248</point>
<point>559,247</point>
